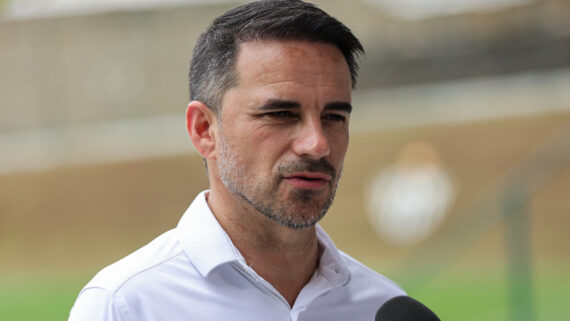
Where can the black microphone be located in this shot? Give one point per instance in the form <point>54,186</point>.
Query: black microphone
<point>404,308</point>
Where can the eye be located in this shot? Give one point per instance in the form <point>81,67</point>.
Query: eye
<point>334,117</point>
<point>281,114</point>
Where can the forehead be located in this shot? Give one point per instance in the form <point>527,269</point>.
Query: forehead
<point>303,63</point>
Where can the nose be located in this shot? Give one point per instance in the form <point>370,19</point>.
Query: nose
<point>311,140</point>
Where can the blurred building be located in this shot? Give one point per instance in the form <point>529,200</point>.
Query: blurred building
<point>94,150</point>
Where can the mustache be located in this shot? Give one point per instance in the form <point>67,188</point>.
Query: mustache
<point>317,166</point>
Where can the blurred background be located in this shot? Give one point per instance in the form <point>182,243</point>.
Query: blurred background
<point>456,184</point>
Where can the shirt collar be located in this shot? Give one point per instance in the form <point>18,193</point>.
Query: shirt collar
<point>207,244</point>
<point>331,264</point>
<point>203,239</point>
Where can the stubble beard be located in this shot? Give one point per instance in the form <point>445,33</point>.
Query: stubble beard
<point>302,210</point>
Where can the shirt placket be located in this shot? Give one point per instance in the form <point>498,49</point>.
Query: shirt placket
<point>262,284</point>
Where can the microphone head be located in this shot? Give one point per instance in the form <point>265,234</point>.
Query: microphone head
<point>404,308</point>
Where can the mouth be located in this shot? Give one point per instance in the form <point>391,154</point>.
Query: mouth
<point>308,180</point>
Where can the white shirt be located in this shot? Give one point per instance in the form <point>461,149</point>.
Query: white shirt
<point>194,272</point>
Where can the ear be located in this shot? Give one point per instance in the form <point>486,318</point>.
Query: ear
<point>201,126</point>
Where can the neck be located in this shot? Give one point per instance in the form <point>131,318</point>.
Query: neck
<point>284,257</point>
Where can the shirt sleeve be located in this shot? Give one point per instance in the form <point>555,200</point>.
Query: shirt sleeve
<point>98,304</point>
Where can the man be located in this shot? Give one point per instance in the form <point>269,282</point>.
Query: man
<point>271,86</point>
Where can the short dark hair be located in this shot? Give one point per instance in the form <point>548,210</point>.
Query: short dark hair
<point>213,60</point>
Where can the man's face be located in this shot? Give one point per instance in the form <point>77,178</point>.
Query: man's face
<point>284,129</point>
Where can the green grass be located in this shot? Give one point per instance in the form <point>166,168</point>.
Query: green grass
<point>453,296</point>
<point>465,298</point>
<point>486,296</point>
<point>38,298</point>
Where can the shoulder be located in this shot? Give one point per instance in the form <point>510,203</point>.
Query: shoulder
<point>363,277</point>
<point>140,264</point>
<point>105,296</point>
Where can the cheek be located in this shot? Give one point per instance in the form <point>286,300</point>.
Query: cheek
<point>272,149</point>
<point>338,152</point>
<point>259,149</point>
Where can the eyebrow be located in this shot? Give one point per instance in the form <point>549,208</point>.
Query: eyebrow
<point>274,104</point>
<point>339,106</point>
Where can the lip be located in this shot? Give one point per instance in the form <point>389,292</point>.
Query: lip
<point>308,180</point>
